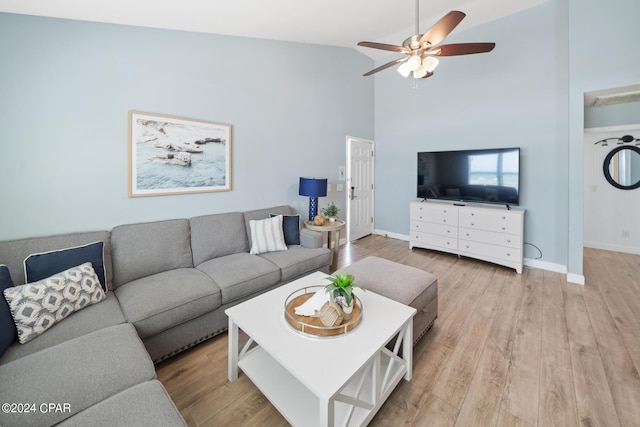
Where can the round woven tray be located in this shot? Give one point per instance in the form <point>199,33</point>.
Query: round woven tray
<point>312,325</point>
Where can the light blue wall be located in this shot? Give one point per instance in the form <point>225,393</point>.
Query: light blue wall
<point>604,54</point>
<point>612,115</point>
<point>66,87</point>
<point>513,96</point>
<point>529,93</point>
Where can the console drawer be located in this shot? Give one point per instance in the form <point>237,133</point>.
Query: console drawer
<point>501,222</point>
<point>432,228</point>
<point>492,251</point>
<point>434,213</point>
<point>426,239</point>
<point>491,237</point>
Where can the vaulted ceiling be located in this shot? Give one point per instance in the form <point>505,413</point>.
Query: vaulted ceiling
<point>326,22</point>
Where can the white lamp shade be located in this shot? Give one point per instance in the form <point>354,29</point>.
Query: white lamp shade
<point>404,69</point>
<point>414,62</point>
<point>429,64</point>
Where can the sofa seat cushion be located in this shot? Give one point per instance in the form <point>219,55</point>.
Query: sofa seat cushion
<point>89,319</point>
<point>240,275</point>
<point>160,301</point>
<point>146,404</point>
<point>79,373</point>
<point>298,261</point>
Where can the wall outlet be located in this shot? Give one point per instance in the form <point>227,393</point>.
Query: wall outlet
<point>339,187</point>
<point>328,187</point>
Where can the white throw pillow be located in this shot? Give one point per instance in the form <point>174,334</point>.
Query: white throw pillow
<point>267,235</point>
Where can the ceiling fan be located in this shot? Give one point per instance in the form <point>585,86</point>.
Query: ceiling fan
<point>421,49</point>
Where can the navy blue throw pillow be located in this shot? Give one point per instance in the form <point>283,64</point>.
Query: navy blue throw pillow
<point>7,327</point>
<point>44,265</point>
<point>291,228</point>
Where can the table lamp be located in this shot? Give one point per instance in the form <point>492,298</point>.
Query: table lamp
<point>313,188</point>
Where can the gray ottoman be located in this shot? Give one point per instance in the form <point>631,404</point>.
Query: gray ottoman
<point>408,285</point>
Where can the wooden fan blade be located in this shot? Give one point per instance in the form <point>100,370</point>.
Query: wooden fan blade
<point>387,65</point>
<point>427,75</point>
<point>443,27</point>
<point>455,49</point>
<point>382,46</point>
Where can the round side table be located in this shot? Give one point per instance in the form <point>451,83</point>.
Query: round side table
<point>333,234</point>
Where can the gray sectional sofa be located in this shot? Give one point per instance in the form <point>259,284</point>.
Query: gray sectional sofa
<point>169,283</point>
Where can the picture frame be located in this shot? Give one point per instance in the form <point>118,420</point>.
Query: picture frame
<point>177,155</point>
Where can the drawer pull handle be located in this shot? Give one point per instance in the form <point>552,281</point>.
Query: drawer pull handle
<point>444,220</point>
<point>472,224</point>
<point>508,240</point>
<point>467,234</point>
<point>504,217</point>
<point>508,254</point>
<point>448,231</point>
<point>467,246</point>
<point>503,228</point>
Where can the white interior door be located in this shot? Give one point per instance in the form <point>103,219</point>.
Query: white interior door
<point>359,188</point>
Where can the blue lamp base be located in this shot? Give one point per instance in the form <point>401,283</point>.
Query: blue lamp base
<point>313,207</point>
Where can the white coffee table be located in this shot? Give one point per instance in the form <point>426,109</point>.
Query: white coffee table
<point>341,380</point>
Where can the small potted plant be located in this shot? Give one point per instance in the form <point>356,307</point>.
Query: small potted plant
<point>331,212</point>
<point>341,291</point>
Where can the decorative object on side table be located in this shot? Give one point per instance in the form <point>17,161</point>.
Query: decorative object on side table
<point>341,291</point>
<point>313,188</point>
<point>331,212</point>
<point>319,220</point>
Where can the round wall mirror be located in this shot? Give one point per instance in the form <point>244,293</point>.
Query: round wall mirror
<point>621,167</point>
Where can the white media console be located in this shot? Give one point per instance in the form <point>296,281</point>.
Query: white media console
<point>490,233</point>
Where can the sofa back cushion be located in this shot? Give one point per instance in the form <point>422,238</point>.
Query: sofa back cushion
<point>262,214</point>
<point>14,252</point>
<point>217,235</point>
<point>143,249</point>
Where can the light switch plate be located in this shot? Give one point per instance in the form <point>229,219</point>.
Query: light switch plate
<point>342,174</point>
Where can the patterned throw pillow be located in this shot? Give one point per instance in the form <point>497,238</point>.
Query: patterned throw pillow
<point>37,306</point>
<point>267,235</point>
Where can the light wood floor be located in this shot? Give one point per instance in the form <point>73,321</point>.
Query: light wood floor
<point>506,350</point>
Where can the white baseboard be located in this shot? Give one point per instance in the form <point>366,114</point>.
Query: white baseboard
<point>533,263</point>
<point>575,278</point>
<point>614,248</point>
<point>544,265</point>
<point>404,237</point>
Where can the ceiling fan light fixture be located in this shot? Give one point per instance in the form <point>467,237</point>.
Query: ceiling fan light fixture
<point>414,62</point>
<point>428,45</point>
<point>404,69</point>
<point>429,64</point>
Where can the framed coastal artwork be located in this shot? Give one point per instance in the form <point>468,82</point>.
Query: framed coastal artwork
<point>175,155</point>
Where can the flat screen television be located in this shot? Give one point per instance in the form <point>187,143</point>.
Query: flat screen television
<point>480,176</point>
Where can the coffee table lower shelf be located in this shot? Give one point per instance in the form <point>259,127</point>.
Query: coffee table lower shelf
<point>301,407</point>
